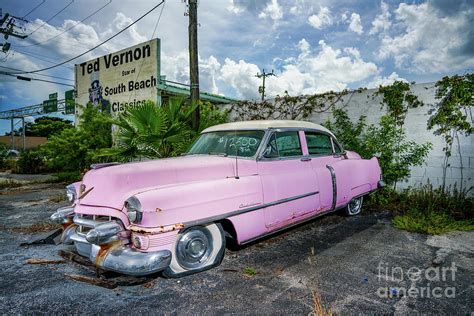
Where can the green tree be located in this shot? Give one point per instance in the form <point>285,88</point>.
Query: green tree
<point>396,154</point>
<point>46,126</point>
<point>74,149</point>
<point>385,140</point>
<point>450,116</point>
<point>348,133</point>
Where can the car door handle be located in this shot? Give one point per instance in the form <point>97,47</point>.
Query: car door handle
<point>305,159</point>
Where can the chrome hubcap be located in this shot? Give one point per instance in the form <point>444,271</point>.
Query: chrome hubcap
<point>194,248</point>
<point>355,206</point>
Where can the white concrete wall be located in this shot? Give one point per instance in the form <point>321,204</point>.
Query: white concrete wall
<point>368,104</point>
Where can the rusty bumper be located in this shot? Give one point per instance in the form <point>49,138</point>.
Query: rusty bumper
<point>107,244</point>
<point>116,256</point>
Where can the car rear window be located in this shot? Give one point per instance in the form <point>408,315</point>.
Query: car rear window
<point>288,144</point>
<point>318,143</point>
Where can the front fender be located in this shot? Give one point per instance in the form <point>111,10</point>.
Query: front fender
<point>194,201</point>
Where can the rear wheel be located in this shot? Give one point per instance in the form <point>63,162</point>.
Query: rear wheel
<point>196,249</point>
<point>354,207</point>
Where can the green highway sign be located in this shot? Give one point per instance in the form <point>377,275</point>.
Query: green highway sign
<point>69,107</point>
<point>50,106</point>
<point>53,96</point>
<point>69,103</point>
<point>69,95</point>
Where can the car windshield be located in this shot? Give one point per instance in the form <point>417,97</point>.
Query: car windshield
<point>232,143</point>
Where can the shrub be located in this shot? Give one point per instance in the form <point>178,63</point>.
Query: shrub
<point>387,140</point>
<point>3,155</point>
<point>30,161</point>
<point>74,149</point>
<point>425,209</point>
<point>150,131</point>
<point>68,176</point>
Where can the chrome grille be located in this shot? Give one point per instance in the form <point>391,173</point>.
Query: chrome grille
<point>87,222</point>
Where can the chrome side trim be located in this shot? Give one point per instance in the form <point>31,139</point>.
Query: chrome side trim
<point>246,210</point>
<point>334,186</point>
<point>291,225</point>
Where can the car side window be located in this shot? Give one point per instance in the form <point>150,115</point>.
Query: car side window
<point>288,144</point>
<point>318,143</point>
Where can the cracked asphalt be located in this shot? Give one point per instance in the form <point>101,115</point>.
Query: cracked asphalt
<point>352,263</point>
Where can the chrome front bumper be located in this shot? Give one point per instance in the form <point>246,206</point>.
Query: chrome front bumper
<point>122,258</point>
<point>106,244</point>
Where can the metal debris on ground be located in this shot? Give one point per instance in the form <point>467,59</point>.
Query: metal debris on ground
<point>48,238</point>
<point>44,261</point>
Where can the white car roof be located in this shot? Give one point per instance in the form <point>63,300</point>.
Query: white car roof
<point>261,125</point>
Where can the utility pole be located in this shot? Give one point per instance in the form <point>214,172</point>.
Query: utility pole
<point>10,26</point>
<point>193,60</point>
<point>263,75</point>
<point>9,30</point>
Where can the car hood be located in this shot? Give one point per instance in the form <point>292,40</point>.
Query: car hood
<point>112,185</point>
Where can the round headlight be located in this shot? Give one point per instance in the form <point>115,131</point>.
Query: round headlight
<point>71,193</point>
<point>134,210</point>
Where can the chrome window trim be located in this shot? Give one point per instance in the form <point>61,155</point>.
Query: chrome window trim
<point>271,132</point>
<point>266,137</point>
<point>333,140</point>
<point>254,157</point>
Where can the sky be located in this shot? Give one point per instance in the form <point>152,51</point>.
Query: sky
<point>312,46</point>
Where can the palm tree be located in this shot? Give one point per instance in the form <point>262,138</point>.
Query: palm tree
<point>150,131</point>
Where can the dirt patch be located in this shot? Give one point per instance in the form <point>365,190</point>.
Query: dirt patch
<point>35,228</point>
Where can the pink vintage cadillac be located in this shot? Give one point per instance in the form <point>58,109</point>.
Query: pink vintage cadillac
<point>240,180</point>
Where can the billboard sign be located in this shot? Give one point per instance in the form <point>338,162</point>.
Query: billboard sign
<point>125,78</point>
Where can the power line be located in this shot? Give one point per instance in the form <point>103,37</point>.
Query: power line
<point>43,75</point>
<point>70,28</point>
<point>152,36</point>
<point>39,5</point>
<point>98,45</point>
<point>43,59</point>
<point>35,79</point>
<point>55,15</point>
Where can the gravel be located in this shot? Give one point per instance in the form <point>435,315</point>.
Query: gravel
<point>344,260</point>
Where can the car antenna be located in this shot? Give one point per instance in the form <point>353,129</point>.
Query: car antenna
<point>236,160</point>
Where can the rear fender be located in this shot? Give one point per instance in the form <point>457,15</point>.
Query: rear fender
<point>355,177</point>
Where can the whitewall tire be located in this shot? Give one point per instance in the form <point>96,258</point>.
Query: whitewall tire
<point>196,249</point>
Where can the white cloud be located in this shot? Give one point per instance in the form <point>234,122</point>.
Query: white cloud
<point>355,24</point>
<point>344,17</point>
<point>311,72</point>
<point>385,81</point>
<point>176,68</point>
<point>234,8</point>
<point>241,77</point>
<point>423,48</point>
<point>272,10</point>
<point>322,19</point>
<point>381,21</point>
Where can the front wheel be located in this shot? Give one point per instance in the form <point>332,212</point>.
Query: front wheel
<point>354,207</point>
<point>196,249</point>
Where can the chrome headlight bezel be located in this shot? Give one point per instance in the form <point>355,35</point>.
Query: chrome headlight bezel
<point>71,193</point>
<point>134,210</point>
